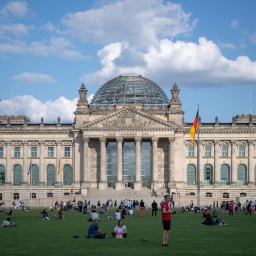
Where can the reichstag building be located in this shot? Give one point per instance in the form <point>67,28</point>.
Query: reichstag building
<point>131,134</point>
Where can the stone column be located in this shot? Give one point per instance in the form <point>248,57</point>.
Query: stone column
<point>119,183</point>
<point>42,167</point>
<point>9,168</point>
<point>59,172</point>
<point>171,171</point>
<point>86,173</point>
<point>233,163</point>
<point>216,177</point>
<point>103,176</point>
<point>26,161</point>
<point>138,183</point>
<point>250,174</point>
<point>154,184</point>
<point>78,160</point>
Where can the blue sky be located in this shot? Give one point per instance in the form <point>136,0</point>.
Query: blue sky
<point>48,48</point>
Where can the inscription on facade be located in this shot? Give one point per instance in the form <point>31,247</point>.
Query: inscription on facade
<point>130,134</point>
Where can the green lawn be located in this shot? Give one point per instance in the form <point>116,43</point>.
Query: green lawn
<point>32,236</point>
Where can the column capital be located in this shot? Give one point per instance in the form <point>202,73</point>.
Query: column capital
<point>138,139</point>
<point>41,142</point>
<point>217,142</point>
<point>25,142</point>
<point>171,139</point>
<point>154,139</point>
<point>251,142</point>
<point>102,139</point>
<point>119,139</point>
<point>86,139</point>
<point>58,142</point>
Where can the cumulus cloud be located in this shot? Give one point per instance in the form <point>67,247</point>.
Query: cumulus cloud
<point>15,8</point>
<point>57,46</point>
<point>31,77</point>
<point>136,22</point>
<point>49,110</point>
<point>192,64</point>
<point>15,29</point>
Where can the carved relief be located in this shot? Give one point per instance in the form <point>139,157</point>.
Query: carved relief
<point>129,118</point>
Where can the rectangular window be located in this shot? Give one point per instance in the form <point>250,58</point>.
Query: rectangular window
<point>224,151</point>
<point>67,151</point>
<point>1,152</point>
<point>50,152</point>
<point>191,152</point>
<point>241,151</point>
<point>33,151</point>
<point>16,151</point>
<point>208,151</point>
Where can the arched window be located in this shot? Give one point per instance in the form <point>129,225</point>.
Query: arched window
<point>51,180</point>
<point>34,175</point>
<point>225,195</point>
<point>241,175</point>
<point>207,174</point>
<point>208,194</point>
<point>225,174</point>
<point>67,174</point>
<point>17,175</point>
<point>191,174</point>
<point>2,175</point>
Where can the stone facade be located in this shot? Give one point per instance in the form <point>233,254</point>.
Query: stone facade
<point>227,155</point>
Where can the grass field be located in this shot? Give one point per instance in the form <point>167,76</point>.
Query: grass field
<point>32,236</point>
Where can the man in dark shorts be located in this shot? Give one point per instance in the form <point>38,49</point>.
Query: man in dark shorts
<point>166,218</point>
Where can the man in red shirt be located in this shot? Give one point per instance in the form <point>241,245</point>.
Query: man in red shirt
<point>231,208</point>
<point>166,218</point>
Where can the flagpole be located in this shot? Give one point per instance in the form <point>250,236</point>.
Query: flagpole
<point>30,183</point>
<point>59,178</point>
<point>198,162</point>
<point>45,187</point>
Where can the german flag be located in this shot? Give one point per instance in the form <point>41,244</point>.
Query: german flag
<point>59,167</point>
<point>194,129</point>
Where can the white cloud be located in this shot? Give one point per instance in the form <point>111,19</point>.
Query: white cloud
<point>253,38</point>
<point>57,46</point>
<point>12,48</point>
<point>15,8</point>
<point>15,29</point>
<point>31,77</point>
<point>197,64</point>
<point>227,45</point>
<point>50,110</point>
<point>133,21</point>
<point>234,24</point>
<point>48,27</point>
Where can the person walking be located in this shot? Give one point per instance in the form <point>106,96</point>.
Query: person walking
<point>154,208</point>
<point>166,218</point>
<point>142,208</point>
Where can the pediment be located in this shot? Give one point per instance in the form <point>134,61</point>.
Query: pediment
<point>129,118</point>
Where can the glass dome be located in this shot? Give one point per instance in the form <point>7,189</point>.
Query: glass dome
<point>130,89</point>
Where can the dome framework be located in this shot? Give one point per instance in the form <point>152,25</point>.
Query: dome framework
<point>130,89</point>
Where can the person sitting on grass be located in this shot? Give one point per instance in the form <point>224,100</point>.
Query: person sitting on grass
<point>7,223</point>
<point>120,230</point>
<point>59,215</point>
<point>45,215</point>
<point>94,230</point>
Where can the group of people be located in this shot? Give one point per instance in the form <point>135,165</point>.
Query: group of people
<point>94,230</point>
